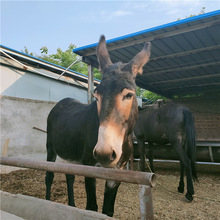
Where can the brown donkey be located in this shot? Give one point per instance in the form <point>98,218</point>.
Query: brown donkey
<point>100,132</point>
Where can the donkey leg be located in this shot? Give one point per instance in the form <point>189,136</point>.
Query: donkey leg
<point>111,188</point>
<point>151,156</point>
<point>51,156</point>
<point>48,181</point>
<point>141,149</point>
<point>90,184</point>
<point>187,166</point>
<point>181,182</point>
<point>70,181</point>
<point>190,188</point>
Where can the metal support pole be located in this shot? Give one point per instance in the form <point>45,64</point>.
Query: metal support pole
<point>132,161</point>
<point>90,83</point>
<point>146,202</point>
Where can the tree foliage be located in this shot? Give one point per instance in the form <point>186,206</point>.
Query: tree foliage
<point>27,51</point>
<point>192,15</point>
<point>65,59</point>
<point>143,93</point>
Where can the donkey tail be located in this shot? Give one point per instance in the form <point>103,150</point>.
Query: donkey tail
<point>190,140</point>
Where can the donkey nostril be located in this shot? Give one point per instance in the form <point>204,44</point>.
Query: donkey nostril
<point>113,156</point>
<point>105,157</point>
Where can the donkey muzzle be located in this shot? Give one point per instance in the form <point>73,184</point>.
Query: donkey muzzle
<point>108,149</point>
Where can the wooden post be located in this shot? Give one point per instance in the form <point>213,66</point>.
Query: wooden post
<point>146,202</point>
<point>5,147</point>
<point>90,84</point>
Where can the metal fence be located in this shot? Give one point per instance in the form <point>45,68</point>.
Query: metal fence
<point>145,180</point>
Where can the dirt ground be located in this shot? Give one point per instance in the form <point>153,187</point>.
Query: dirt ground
<point>168,203</point>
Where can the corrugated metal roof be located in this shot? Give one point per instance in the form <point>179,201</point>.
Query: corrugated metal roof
<point>39,63</point>
<point>185,57</point>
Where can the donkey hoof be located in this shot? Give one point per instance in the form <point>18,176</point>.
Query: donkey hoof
<point>93,207</point>
<point>110,214</point>
<point>189,197</point>
<point>72,204</point>
<point>180,189</point>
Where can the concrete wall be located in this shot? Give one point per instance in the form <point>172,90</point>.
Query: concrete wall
<point>28,207</point>
<point>18,117</point>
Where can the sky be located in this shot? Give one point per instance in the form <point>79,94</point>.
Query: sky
<point>57,24</point>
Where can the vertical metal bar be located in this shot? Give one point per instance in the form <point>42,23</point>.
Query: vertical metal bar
<point>211,154</point>
<point>90,83</point>
<point>127,166</point>
<point>132,161</point>
<point>146,202</point>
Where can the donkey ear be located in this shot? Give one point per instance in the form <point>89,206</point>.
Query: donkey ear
<point>102,54</point>
<point>140,60</point>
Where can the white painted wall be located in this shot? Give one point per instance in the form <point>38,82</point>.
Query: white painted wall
<point>16,83</point>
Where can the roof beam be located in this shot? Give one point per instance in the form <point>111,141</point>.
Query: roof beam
<point>184,79</point>
<point>193,86</point>
<point>192,90</point>
<point>185,53</point>
<point>179,90</point>
<point>182,68</point>
<point>90,62</point>
<point>169,93</point>
<point>142,84</point>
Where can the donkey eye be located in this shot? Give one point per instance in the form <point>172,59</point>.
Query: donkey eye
<point>128,96</point>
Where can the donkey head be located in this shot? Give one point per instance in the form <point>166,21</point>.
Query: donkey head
<point>116,103</point>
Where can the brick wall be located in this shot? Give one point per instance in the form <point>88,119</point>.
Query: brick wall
<point>206,111</point>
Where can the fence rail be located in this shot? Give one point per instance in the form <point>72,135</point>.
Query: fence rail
<point>146,180</point>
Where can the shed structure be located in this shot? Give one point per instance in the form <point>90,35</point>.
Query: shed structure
<point>25,76</point>
<point>30,87</point>
<point>184,66</point>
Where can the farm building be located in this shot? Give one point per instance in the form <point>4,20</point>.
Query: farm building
<point>184,67</point>
<point>30,87</point>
